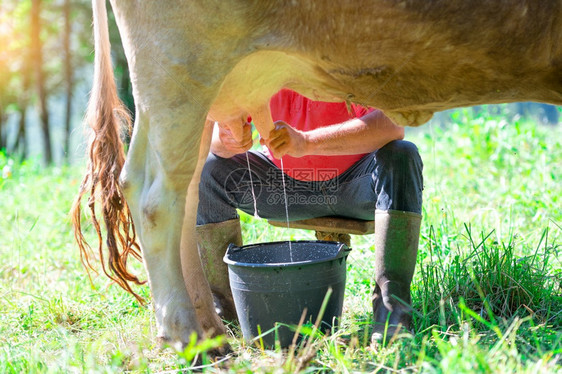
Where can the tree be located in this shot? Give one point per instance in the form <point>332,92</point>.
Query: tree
<point>37,52</point>
<point>68,74</point>
<point>14,57</point>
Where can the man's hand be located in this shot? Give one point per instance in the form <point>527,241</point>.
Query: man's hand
<point>285,140</point>
<point>224,143</point>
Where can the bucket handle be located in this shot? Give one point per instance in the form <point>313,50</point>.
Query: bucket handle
<point>343,249</point>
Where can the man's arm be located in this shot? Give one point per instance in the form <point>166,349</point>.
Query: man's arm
<point>223,143</point>
<point>235,136</point>
<point>357,136</point>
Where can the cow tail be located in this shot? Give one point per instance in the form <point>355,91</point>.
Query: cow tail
<point>106,116</point>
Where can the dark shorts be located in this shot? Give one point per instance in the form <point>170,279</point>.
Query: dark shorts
<point>387,179</point>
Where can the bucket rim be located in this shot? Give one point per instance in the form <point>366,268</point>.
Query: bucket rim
<point>343,251</point>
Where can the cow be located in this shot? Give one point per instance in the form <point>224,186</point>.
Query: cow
<point>195,62</point>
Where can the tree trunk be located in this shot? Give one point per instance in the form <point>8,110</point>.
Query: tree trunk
<point>68,77</point>
<point>21,144</point>
<point>37,53</point>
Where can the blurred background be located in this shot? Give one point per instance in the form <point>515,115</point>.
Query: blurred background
<point>46,55</point>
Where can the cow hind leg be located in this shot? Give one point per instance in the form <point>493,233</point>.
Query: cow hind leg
<point>195,280</point>
<point>161,162</point>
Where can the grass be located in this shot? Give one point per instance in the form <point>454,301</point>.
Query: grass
<point>487,288</point>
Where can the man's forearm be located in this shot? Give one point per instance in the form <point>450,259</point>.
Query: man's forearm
<point>356,136</point>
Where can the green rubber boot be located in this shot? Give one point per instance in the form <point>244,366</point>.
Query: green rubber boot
<point>212,242</point>
<point>396,246</point>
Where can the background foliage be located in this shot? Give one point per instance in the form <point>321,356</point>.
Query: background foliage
<point>487,288</point>
<point>44,84</point>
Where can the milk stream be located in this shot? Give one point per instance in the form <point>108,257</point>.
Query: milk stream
<point>286,206</point>
<point>284,195</point>
<point>252,187</point>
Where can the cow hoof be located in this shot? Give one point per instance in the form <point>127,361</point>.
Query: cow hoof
<point>176,323</point>
<point>220,352</point>
<point>213,355</point>
<point>165,342</point>
<point>212,325</point>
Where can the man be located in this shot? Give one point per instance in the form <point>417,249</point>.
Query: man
<point>335,164</point>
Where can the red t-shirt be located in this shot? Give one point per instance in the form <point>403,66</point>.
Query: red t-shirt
<point>305,115</point>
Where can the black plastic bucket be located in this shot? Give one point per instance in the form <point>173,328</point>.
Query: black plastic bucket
<point>271,283</point>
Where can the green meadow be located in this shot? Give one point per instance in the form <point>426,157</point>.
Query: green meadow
<point>487,289</point>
